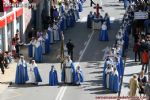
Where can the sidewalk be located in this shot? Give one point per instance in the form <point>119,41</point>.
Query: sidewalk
<point>8,76</point>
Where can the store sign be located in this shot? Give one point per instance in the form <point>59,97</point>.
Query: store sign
<point>140,15</point>
<point>2,23</point>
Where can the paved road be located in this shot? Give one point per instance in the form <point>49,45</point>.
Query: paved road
<point>88,53</point>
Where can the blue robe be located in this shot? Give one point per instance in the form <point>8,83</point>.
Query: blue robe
<point>47,46</point>
<point>104,75</point>
<point>147,25</point>
<point>38,54</point>
<point>62,24</point>
<point>115,83</point>
<point>72,20</point>
<point>63,76</point>
<point>68,20</point>
<point>103,35</point>
<point>78,77</point>
<point>121,66</point>
<point>37,75</point>
<point>30,50</point>
<point>111,81</point>
<point>89,21</point>
<point>73,73</point>
<point>21,74</point>
<point>80,7</point>
<point>107,22</point>
<point>50,36</point>
<point>53,79</point>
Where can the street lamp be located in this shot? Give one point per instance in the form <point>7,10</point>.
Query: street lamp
<point>62,50</point>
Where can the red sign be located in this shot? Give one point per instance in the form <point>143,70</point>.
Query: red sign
<point>2,23</point>
<point>19,12</point>
<point>10,18</point>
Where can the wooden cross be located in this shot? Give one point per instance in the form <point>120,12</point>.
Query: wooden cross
<point>97,7</point>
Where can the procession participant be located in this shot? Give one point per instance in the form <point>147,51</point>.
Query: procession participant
<point>89,20</point>
<point>53,79</point>
<point>34,75</point>
<point>72,18</point>
<point>108,72</point>
<point>42,42</point>
<point>76,12</point>
<point>103,35</point>
<point>55,13</point>
<point>70,47</point>
<point>47,45</point>
<point>133,85</point>
<point>31,47</point>
<point>116,80</point>
<point>21,71</point>
<point>68,71</point>
<point>55,32</point>
<point>38,51</point>
<point>61,9</point>
<point>107,20</point>
<point>68,19</point>
<point>80,7</point>
<point>79,76</point>
<point>50,34</point>
<point>142,81</point>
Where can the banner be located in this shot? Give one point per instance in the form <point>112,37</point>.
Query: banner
<point>140,15</point>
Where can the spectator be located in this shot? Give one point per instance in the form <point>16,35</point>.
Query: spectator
<point>133,85</point>
<point>1,61</point>
<point>147,87</point>
<point>142,81</point>
<point>136,50</point>
<point>145,60</point>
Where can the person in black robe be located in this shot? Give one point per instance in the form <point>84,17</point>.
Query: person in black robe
<point>92,2</point>
<point>142,81</point>
<point>70,47</point>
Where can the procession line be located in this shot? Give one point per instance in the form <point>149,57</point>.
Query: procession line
<point>63,89</point>
<point>58,96</point>
<point>88,42</point>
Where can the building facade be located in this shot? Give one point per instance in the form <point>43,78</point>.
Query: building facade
<point>22,19</point>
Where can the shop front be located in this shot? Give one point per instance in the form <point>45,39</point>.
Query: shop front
<point>10,30</point>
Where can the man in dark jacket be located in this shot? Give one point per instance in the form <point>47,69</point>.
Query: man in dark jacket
<point>70,47</point>
<point>1,61</point>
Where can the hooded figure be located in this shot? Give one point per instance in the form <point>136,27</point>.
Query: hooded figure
<point>38,52</point>
<point>53,79</point>
<point>89,20</point>
<point>47,45</point>
<point>103,36</point>
<point>78,76</point>
<point>21,72</point>
<point>34,75</point>
<point>55,32</point>
<point>50,35</point>
<point>31,47</point>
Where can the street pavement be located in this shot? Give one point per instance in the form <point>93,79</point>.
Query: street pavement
<point>87,53</point>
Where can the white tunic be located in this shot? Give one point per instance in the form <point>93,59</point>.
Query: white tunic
<point>68,72</point>
<point>41,40</point>
<point>51,35</point>
<point>55,31</point>
<point>31,74</point>
<point>107,76</point>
